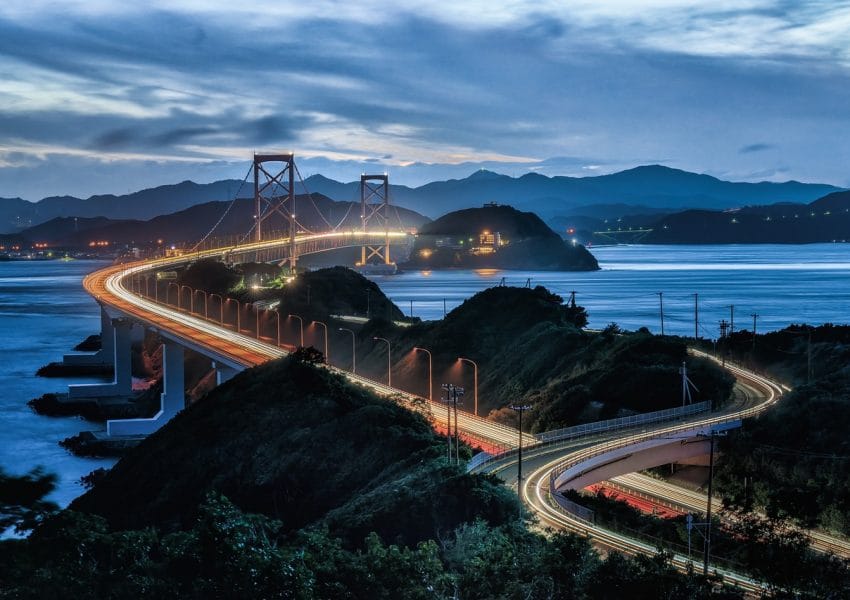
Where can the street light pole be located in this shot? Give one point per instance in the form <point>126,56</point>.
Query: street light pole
<point>353,349</point>
<point>520,408</point>
<point>389,361</point>
<point>300,325</point>
<point>327,358</point>
<point>430,371</point>
<point>448,388</point>
<point>707,547</point>
<point>661,309</point>
<point>474,382</point>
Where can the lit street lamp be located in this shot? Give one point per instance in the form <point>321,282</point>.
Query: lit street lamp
<point>430,372</point>
<point>474,382</point>
<point>327,358</point>
<point>301,326</point>
<point>353,349</point>
<point>220,307</point>
<point>389,362</point>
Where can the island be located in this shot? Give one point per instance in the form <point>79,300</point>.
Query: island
<point>495,237</point>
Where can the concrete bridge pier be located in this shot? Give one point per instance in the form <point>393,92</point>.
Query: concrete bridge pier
<point>171,401</point>
<point>223,372</point>
<point>102,357</point>
<point>122,383</point>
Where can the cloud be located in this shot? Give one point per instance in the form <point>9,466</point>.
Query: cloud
<point>431,89</point>
<point>759,147</point>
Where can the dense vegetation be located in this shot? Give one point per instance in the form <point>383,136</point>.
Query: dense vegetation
<point>288,482</point>
<point>312,294</point>
<point>530,347</point>
<point>531,244</point>
<point>794,461</point>
<point>769,550</point>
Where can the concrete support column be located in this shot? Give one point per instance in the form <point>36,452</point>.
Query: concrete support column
<point>104,356</point>
<point>122,382</point>
<point>223,373</point>
<point>171,401</point>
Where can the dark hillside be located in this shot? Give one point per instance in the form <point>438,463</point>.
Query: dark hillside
<point>294,442</point>
<point>529,348</point>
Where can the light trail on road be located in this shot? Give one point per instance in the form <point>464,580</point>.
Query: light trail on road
<point>107,286</point>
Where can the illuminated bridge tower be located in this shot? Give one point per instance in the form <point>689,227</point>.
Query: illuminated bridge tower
<point>274,193</point>
<point>374,214</point>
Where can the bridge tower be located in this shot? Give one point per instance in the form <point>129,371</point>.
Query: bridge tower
<point>274,192</point>
<point>374,211</point>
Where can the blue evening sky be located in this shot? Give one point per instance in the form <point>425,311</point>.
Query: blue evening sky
<point>108,96</point>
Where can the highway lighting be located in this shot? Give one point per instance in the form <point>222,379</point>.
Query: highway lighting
<point>327,357</point>
<point>430,371</point>
<point>389,362</point>
<point>474,382</point>
<point>191,297</point>
<point>238,316</point>
<point>300,325</point>
<point>353,349</point>
<point>168,289</point>
<point>220,307</point>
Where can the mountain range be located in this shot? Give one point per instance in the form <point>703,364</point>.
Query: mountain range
<point>190,225</point>
<point>650,187</point>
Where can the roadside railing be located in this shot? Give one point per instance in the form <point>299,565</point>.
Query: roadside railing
<point>570,434</point>
<point>622,422</point>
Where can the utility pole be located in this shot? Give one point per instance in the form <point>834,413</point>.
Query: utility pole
<point>520,408</point>
<point>724,328</point>
<point>809,359</point>
<point>696,316</point>
<point>707,546</point>
<point>731,319</point>
<point>456,392</point>
<point>448,388</point>
<point>661,309</point>
<point>755,316</point>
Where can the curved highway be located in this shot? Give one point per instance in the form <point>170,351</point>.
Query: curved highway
<point>755,394</point>
<point>107,286</point>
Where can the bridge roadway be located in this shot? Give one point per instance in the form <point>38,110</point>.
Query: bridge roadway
<point>107,286</point>
<point>756,394</point>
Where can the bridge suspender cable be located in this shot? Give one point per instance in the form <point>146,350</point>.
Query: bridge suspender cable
<point>226,211</point>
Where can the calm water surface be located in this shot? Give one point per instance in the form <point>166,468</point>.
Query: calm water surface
<point>44,312</point>
<point>781,284</point>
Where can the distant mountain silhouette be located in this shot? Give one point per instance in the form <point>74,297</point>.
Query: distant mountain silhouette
<point>17,214</point>
<point>191,224</point>
<point>824,220</point>
<point>653,186</point>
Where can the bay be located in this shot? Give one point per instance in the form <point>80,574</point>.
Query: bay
<point>782,284</point>
<point>44,313</point>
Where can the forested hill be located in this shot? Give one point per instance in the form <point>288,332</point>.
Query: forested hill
<point>495,236</point>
